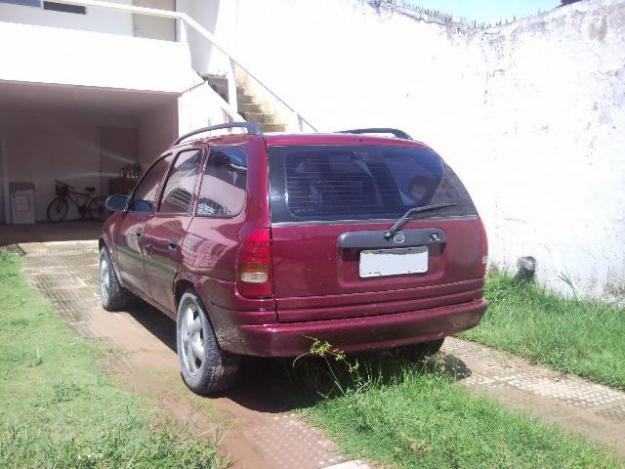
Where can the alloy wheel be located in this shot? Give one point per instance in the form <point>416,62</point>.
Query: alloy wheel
<point>192,337</point>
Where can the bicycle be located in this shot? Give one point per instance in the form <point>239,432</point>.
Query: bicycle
<point>88,206</point>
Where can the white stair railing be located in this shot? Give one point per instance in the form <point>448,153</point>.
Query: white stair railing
<point>233,59</point>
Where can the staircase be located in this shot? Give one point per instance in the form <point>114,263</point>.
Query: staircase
<point>248,107</point>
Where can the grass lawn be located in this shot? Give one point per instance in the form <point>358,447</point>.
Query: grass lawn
<point>59,410</point>
<point>581,337</point>
<point>407,417</point>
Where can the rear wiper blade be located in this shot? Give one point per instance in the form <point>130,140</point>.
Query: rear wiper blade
<point>413,211</point>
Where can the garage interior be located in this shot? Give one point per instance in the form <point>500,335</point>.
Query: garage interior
<point>83,136</point>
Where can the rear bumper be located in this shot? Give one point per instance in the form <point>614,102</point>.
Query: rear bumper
<point>359,333</point>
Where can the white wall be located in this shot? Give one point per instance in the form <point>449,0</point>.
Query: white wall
<point>200,107</point>
<point>154,27</point>
<point>41,147</point>
<point>157,130</point>
<point>96,19</point>
<point>531,115</point>
<point>54,55</point>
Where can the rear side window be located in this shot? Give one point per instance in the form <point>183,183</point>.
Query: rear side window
<point>224,183</point>
<point>177,196</point>
<point>326,183</point>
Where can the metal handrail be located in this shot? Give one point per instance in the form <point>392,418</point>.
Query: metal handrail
<point>176,15</point>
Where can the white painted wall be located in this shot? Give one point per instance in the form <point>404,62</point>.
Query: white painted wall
<point>157,130</point>
<point>96,19</point>
<point>531,115</point>
<point>200,107</point>
<point>218,18</point>
<point>53,55</point>
<point>154,27</point>
<point>41,147</point>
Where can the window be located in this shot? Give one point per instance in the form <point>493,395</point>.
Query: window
<point>144,194</point>
<point>360,182</point>
<point>224,184</point>
<point>26,3</point>
<point>54,6</point>
<point>177,195</point>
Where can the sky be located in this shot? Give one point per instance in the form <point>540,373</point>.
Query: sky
<point>487,11</point>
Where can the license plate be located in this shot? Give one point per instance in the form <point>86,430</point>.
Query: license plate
<point>398,261</point>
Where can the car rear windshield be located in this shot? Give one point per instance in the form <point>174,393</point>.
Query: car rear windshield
<point>327,183</point>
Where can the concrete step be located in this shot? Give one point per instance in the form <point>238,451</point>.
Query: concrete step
<point>273,127</point>
<point>248,108</point>
<point>217,80</point>
<point>260,117</point>
<point>251,107</point>
<point>245,98</point>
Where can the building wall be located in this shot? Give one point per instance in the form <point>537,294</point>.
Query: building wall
<point>41,147</point>
<point>154,27</point>
<point>531,114</point>
<point>95,19</point>
<point>55,55</point>
<point>157,130</point>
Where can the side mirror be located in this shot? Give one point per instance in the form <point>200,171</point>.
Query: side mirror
<point>117,203</point>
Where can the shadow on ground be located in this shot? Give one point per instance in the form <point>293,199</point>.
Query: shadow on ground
<point>281,384</point>
<point>11,235</point>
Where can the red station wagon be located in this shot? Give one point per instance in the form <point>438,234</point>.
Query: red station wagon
<point>258,244</point>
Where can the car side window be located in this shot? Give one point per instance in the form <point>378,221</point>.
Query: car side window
<point>177,195</point>
<point>144,195</point>
<point>224,183</point>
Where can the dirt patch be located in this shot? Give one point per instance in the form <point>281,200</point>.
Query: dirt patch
<point>253,422</point>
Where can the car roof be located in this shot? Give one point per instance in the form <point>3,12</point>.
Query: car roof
<point>284,139</point>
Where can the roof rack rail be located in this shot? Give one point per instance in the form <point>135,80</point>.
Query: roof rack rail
<point>381,130</point>
<point>251,127</point>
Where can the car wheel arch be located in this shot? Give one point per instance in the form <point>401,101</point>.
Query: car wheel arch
<point>183,283</point>
<point>103,245</point>
<point>180,287</point>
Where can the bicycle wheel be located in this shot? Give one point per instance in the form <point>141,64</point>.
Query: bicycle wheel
<point>57,210</point>
<point>97,208</point>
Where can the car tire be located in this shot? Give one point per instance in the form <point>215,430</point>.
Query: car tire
<point>425,349</point>
<point>112,295</point>
<point>205,367</point>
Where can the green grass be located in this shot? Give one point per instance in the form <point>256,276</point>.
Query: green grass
<point>575,336</point>
<point>395,413</point>
<point>59,410</point>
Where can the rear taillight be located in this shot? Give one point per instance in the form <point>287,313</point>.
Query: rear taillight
<point>483,249</point>
<point>254,265</point>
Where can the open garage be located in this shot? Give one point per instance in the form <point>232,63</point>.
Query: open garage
<point>83,136</point>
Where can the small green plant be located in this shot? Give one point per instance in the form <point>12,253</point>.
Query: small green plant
<point>569,282</point>
<point>344,373</point>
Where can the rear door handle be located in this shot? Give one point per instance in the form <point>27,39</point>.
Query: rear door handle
<point>172,245</point>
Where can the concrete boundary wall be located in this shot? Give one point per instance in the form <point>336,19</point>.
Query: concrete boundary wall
<point>531,114</point>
